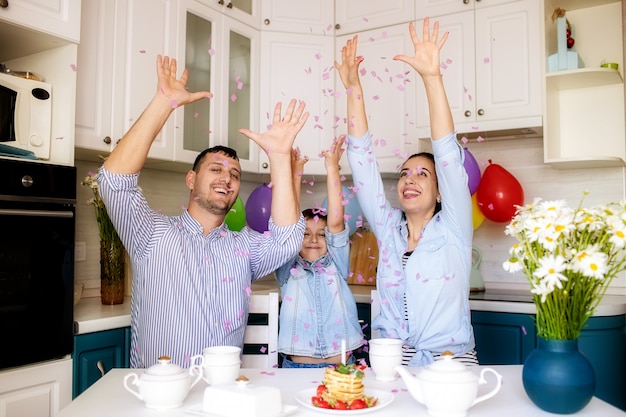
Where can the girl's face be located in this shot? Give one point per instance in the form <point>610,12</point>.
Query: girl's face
<point>314,243</point>
<point>417,186</point>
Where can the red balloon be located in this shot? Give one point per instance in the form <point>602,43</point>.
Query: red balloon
<point>498,194</point>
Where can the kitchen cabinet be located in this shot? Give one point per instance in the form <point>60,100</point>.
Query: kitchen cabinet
<point>354,16</point>
<point>508,338</point>
<point>117,71</point>
<point>298,16</point>
<point>42,389</point>
<point>584,124</point>
<point>298,66</point>
<point>245,11</point>
<point>119,78</point>
<point>491,66</point>
<point>96,353</point>
<point>389,89</point>
<point>221,55</point>
<point>503,338</point>
<point>60,18</point>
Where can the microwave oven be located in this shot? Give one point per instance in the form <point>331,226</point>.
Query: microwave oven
<point>25,116</point>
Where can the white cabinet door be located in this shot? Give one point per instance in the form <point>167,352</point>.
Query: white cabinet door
<point>299,16</point>
<point>435,8</point>
<point>94,77</point>
<point>299,67</point>
<point>117,70</point>
<point>144,29</point>
<point>60,18</point>
<point>245,11</point>
<point>221,55</point>
<point>42,389</point>
<point>492,70</point>
<point>389,94</point>
<point>353,16</point>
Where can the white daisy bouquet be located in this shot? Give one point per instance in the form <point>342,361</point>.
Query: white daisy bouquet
<point>570,258</point>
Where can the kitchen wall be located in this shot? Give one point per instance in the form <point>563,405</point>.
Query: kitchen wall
<point>523,158</point>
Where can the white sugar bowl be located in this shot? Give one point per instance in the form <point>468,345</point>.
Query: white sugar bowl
<point>162,386</point>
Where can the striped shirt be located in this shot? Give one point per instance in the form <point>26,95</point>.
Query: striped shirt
<point>469,358</point>
<point>190,291</point>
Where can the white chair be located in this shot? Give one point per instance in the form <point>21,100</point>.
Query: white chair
<point>375,310</point>
<point>260,340</point>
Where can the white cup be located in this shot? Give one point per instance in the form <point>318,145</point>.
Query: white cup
<point>385,354</point>
<point>218,364</point>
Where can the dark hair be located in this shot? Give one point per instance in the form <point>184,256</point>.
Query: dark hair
<point>225,150</point>
<point>430,157</point>
<point>309,214</point>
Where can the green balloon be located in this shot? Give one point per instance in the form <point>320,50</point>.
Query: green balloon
<point>236,217</point>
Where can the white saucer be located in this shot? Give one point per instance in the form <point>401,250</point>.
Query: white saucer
<point>197,410</point>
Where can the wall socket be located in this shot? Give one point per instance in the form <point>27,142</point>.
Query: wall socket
<point>80,252</point>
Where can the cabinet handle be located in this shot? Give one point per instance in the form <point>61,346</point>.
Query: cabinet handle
<point>221,2</point>
<point>467,113</point>
<point>265,165</point>
<point>107,140</point>
<point>100,366</point>
<point>4,3</point>
<point>266,21</point>
<point>481,112</point>
<point>337,26</point>
<point>465,1</point>
<point>230,5</point>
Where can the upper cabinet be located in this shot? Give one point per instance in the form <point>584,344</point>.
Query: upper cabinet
<point>584,123</point>
<point>389,94</point>
<point>298,16</point>
<point>60,18</point>
<point>245,11</point>
<point>299,67</point>
<point>118,78</point>
<point>491,66</point>
<point>352,16</point>
<point>41,37</point>
<point>221,55</point>
<point>117,71</point>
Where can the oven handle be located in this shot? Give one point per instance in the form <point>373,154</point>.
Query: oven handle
<point>37,213</point>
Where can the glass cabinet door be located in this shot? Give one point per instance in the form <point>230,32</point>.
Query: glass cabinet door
<point>198,122</point>
<point>239,93</point>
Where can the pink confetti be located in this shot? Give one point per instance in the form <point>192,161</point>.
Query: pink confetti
<point>142,51</point>
<point>73,67</point>
<point>233,98</point>
<point>211,51</point>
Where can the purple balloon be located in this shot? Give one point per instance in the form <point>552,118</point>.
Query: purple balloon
<point>258,208</point>
<point>473,171</point>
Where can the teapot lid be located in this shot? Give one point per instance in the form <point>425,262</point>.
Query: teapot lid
<point>447,370</point>
<point>164,369</point>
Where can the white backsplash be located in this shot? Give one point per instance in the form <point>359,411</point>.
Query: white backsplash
<point>523,158</point>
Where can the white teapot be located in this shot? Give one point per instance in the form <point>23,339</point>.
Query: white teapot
<point>447,388</point>
<point>164,385</point>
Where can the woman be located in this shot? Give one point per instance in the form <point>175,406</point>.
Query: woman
<point>425,246</point>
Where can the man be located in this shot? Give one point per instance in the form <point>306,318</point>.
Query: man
<point>191,274</point>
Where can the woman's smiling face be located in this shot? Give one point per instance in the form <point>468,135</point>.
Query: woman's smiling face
<point>417,185</point>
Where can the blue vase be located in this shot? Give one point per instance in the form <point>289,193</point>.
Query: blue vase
<point>557,377</point>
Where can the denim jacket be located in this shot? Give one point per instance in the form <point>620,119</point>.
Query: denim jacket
<point>436,278</point>
<point>318,309</point>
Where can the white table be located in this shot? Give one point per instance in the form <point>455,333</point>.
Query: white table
<point>109,398</point>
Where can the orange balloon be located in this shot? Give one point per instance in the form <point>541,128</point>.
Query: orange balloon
<point>477,216</point>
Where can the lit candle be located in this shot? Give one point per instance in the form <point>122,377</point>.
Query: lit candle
<point>343,351</point>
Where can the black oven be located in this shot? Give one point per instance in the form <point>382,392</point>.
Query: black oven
<point>37,222</point>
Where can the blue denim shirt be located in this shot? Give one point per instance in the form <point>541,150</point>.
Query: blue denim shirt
<point>318,309</point>
<point>436,278</point>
